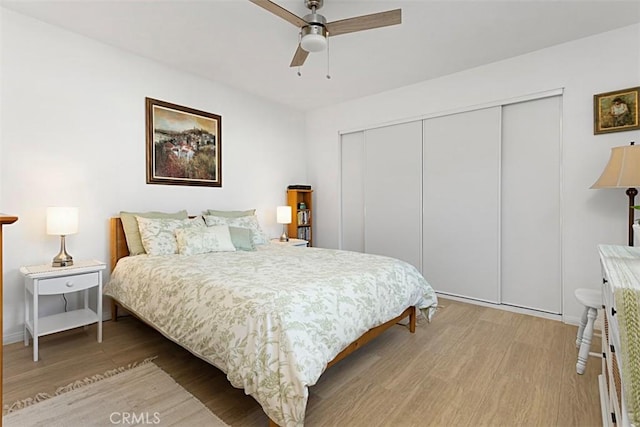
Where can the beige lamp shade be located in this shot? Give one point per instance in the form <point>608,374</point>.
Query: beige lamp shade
<point>623,169</point>
<point>283,215</point>
<point>62,221</point>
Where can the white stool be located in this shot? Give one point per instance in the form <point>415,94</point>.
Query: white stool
<point>592,301</point>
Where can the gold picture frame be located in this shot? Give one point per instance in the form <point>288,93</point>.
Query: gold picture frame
<point>616,111</point>
<point>184,145</point>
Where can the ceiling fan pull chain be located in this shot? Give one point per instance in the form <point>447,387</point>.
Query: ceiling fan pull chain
<point>328,74</point>
<point>299,40</point>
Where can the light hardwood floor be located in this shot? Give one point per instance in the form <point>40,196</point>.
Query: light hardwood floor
<point>472,366</point>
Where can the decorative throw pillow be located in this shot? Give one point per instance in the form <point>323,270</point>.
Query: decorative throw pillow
<point>132,233</point>
<point>200,240</point>
<point>250,222</point>
<point>229,214</point>
<point>242,239</point>
<point>157,234</point>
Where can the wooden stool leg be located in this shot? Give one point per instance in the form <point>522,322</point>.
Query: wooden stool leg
<point>583,323</point>
<point>585,344</point>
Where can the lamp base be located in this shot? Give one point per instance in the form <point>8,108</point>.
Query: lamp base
<point>284,237</point>
<point>632,193</point>
<point>63,259</point>
<point>62,263</point>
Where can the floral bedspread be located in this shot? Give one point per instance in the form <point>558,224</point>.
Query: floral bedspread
<point>270,319</point>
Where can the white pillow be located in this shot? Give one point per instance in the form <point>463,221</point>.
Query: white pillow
<point>200,240</point>
<point>249,221</point>
<point>157,234</point>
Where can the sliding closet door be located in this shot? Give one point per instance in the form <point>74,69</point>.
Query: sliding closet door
<point>531,269</point>
<point>352,192</point>
<point>392,191</point>
<point>461,203</point>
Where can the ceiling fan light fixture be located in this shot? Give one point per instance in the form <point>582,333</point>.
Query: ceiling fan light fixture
<point>314,38</point>
<point>313,43</point>
<point>315,30</point>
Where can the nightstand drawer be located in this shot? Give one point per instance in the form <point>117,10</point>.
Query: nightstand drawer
<point>60,285</point>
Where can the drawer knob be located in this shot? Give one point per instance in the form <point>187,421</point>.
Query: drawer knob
<point>69,284</point>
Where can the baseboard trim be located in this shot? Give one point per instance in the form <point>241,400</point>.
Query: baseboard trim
<point>504,307</point>
<point>14,337</point>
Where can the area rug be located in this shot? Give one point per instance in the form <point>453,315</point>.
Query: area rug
<point>136,395</point>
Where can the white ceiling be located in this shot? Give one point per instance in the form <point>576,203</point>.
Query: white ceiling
<point>242,45</point>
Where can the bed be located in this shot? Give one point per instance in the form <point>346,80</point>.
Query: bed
<point>272,319</point>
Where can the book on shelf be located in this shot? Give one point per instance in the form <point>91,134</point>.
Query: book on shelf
<point>304,217</point>
<point>304,233</point>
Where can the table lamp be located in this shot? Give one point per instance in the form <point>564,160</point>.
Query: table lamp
<point>62,221</point>
<point>283,216</point>
<point>623,171</point>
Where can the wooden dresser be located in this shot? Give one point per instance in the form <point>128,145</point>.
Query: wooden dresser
<point>4,220</point>
<point>620,378</point>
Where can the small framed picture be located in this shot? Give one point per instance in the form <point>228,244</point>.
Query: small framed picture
<point>616,111</point>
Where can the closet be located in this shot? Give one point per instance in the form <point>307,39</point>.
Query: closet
<point>382,192</point>
<point>352,192</point>
<point>531,268</point>
<point>392,192</point>
<point>471,198</point>
<point>461,203</point>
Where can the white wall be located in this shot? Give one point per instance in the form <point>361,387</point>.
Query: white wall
<point>597,64</point>
<point>73,133</point>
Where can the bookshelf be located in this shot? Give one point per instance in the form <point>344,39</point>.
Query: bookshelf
<point>301,202</point>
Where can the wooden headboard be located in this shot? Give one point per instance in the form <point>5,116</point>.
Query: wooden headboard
<point>117,241</point>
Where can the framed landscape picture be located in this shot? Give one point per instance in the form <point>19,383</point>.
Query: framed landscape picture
<point>184,145</point>
<point>616,111</point>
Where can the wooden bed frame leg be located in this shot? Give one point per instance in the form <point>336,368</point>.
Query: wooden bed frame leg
<point>114,311</point>
<point>412,320</point>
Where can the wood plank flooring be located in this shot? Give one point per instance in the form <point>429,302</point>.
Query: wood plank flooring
<point>471,366</point>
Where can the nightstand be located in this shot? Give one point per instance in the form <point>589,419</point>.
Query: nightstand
<point>291,242</point>
<point>47,280</point>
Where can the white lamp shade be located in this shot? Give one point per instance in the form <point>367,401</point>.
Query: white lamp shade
<point>283,215</point>
<point>62,221</point>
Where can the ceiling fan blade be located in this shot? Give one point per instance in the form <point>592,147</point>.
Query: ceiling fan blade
<point>365,22</point>
<point>299,57</point>
<point>281,12</point>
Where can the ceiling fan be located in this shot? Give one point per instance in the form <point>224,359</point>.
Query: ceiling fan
<point>314,28</point>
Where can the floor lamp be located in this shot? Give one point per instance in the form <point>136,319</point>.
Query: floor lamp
<point>623,171</point>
